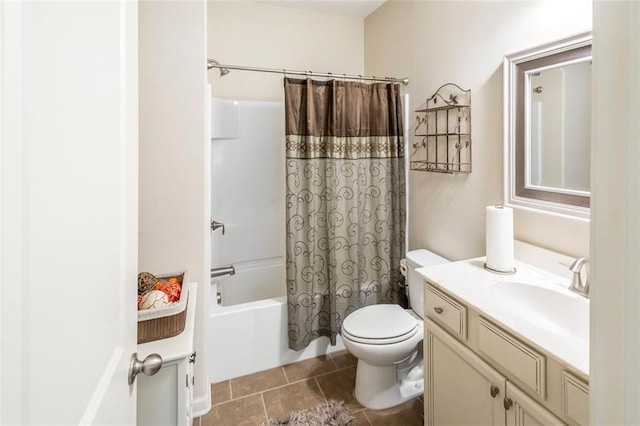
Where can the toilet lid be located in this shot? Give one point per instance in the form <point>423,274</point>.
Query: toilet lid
<point>380,322</point>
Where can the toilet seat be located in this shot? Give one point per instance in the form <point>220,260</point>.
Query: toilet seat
<point>384,341</point>
<point>379,325</point>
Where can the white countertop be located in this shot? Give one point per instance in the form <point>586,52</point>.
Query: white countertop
<point>179,346</point>
<point>468,281</point>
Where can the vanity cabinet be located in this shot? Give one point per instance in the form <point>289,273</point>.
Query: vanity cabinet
<point>459,387</point>
<point>487,376</point>
<point>167,397</point>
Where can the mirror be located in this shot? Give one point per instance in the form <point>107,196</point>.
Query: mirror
<point>548,127</point>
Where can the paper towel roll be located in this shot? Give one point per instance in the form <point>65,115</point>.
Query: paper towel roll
<point>499,243</point>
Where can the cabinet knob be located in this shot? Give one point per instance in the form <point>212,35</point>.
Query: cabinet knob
<point>507,402</point>
<point>438,310</point>
<point>494,391</point>
<point>149,366</point>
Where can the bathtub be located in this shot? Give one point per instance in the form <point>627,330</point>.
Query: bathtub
<point>248,337</point>
<point>247,331</point>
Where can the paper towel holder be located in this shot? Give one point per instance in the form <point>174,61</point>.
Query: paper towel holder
<point>513,271</point>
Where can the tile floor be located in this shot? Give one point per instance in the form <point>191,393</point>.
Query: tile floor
<point>251,400</point>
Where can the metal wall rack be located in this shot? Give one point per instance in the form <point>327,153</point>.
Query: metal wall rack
<point>442,135</point>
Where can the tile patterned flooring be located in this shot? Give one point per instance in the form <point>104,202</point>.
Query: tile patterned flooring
<point>251,400</point>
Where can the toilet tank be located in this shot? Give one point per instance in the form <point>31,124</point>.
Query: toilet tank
<point>418,259</point>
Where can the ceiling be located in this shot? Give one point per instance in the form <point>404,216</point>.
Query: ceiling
<point>355,8</point>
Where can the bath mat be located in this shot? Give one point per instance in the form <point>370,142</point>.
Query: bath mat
<point>330,413</point>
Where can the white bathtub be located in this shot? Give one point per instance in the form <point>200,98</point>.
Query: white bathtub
<point>251,337</point>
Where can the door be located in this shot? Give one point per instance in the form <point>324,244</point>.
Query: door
<point>460,388</point>
<point>68,211</point>
<point>523,410</point>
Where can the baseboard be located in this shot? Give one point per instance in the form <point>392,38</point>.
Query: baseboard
<point>202,404</point>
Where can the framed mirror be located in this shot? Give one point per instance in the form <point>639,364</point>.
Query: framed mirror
<point>547,133</point>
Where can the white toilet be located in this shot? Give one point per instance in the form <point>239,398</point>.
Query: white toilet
<point>387,340</point>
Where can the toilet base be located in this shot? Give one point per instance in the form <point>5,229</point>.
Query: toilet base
<point>380,387</point>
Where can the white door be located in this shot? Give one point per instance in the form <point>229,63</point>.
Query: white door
<point>68,211</point>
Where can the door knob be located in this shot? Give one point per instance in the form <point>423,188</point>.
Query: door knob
<point>149,366</point>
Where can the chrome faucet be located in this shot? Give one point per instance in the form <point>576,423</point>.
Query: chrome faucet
<point>577,286</point>
<point>225,270</point>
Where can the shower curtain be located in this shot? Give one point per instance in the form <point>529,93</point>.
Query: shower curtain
<point>345,202</point>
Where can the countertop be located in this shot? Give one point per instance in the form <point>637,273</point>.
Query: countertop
<point>469,282</point>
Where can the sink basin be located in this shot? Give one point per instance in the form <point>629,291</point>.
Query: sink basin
<point>556,311</point>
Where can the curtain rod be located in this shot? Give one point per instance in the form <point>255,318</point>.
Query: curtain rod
<point>211,63</point>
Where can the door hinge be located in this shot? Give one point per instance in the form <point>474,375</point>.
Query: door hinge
<point>192,358</point>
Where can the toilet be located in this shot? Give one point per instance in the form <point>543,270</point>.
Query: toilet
<point>387,340</point>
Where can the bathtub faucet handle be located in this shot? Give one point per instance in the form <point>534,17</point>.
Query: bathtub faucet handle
<point>215,225</point>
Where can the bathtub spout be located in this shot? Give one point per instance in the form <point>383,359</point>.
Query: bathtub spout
<point>225,270</point>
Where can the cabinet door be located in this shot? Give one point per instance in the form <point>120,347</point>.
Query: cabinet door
<point>525,411</point>
<point>162,398</point>
<point>461,389</point>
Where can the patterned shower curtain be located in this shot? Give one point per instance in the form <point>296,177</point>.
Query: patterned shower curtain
<point>345,202</point>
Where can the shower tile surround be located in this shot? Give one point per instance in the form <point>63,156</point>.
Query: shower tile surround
<point>274,393</point>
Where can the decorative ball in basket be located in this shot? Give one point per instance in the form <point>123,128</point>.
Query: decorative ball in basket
<point>162,305</point>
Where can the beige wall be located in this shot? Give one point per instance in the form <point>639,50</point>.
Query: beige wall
<point>261,35</point>
<point>435,42</point>
<point>173,166</point>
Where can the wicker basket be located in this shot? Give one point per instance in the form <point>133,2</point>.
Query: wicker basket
<point>168,321</point>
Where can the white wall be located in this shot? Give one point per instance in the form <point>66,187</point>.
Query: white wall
<point>247,176</point>
<point>262,35</point>
<point>615,231</point>
<point>174,151</point>
<point>435,42</point>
